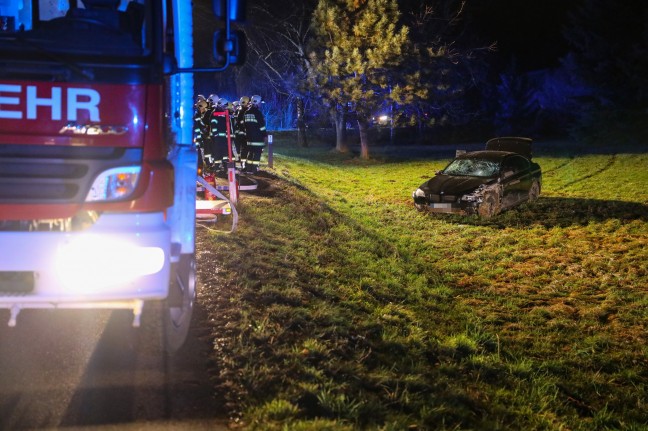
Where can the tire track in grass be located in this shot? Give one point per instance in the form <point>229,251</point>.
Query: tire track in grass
<point>573,158</point>
<point>569,160</point>
<point>607,166</point>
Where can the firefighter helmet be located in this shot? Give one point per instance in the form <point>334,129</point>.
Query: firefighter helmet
<point>202,104</point>
<point>255,100</point>
<point>244,101</point>
<point>222,102</point>
<point>213,99</point>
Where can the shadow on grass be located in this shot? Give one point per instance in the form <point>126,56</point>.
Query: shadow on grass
<point>561,212</point>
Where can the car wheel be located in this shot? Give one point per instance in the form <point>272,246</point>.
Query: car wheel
<point>179,304</point>
<point>489,206</point>
<point>534,191</point>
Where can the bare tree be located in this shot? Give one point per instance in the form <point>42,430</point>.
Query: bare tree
<point>277,47</point>
<point>449,60</point>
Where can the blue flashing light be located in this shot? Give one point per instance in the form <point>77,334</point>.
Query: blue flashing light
<point>235,9</point>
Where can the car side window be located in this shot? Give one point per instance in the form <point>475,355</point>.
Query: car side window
<point>513,165</point>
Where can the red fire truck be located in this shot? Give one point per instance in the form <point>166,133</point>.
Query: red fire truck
<point>97,164</point>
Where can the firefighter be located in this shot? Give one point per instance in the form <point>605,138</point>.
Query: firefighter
<point>255,134</point>
<point>201,128</point>
<point>239,130</point>
<point>232,107</point>
<point>199,109</point>
<point>208,148</point>
<point>218,135</point>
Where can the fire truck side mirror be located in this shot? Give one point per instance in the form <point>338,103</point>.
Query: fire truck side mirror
<point>234,10</point>
<point>232,48</point>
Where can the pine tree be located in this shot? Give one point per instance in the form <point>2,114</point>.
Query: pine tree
<point>354,60</point>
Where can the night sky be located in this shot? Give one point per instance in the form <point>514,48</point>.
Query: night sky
<point>530,32</point>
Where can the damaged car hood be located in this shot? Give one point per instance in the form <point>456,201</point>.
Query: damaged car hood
<point>453,185</point>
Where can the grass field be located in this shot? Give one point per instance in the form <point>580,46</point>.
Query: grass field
<point>336,305</point>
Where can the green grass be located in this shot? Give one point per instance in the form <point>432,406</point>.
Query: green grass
<point>336,305</point>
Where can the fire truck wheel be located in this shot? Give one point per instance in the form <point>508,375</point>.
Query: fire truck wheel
<point>179,304</point>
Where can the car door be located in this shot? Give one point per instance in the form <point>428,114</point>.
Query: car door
<point>515,179</point>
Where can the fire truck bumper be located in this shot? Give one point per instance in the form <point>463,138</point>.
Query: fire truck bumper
<point>119,262</point>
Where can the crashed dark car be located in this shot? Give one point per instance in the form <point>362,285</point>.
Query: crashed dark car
<point>484,182</point>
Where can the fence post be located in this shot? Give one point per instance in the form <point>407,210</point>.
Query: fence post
<point>270,151</point>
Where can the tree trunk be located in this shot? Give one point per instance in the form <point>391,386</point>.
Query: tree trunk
<point>339,118</point>
<point>363,126</point>
<point>301,124</point>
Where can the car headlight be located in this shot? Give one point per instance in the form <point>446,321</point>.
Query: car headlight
<point>418,193</point>
<point>114,184</point>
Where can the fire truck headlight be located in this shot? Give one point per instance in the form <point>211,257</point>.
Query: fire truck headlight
<point>114,184</point>
<point>91,263</point>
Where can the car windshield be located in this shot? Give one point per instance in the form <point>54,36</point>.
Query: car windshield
<point>42,28</point>
<point>472,168</point>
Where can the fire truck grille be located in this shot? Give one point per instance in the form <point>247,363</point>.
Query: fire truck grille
<point>16,282</point>
<point>48,174</point>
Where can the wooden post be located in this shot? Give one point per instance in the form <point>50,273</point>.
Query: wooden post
<point>270,151</point>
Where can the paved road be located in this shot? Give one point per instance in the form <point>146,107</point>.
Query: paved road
<point>90,370</point>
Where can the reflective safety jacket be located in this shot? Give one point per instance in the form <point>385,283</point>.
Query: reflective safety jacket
<point>255,126</point>
<point>201,127</point>
<point>218,127</point>
<point>239,125</point>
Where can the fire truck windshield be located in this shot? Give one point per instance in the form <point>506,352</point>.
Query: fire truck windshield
<point>78,27</point>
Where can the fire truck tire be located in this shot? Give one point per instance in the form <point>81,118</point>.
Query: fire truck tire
<point>179,305</point>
